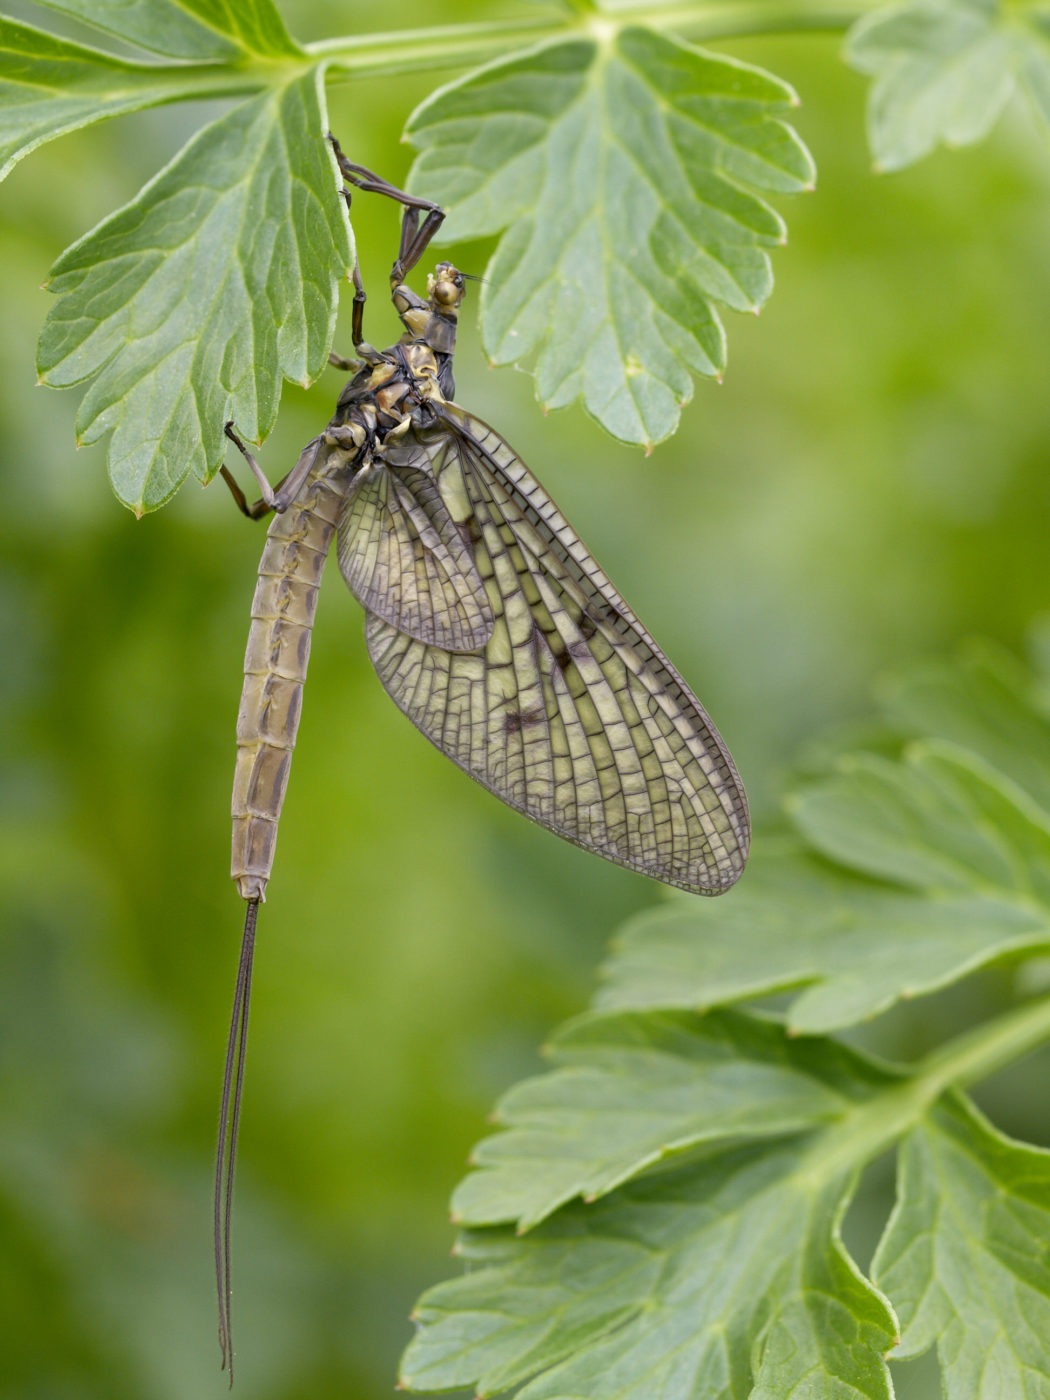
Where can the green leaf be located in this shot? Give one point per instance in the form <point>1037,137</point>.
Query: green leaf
<point>682,1178</point>
<point>984,701</point>
<point>49,86</point>
<point>941,821</point>
<point>192,302</point>
<point>944,70</point>
<point>965,1256</point>
<point>955,858</point>
<point>197,29</point>
<point>627,177</point>
<point>633,1090</point>
<point>854,948</point>
<point>722,1279</point>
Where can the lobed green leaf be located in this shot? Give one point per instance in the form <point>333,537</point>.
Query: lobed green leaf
<point>191,303</point>
<point>984,701</point>
<point>191,29</point>
<point>944,70</point>
<point>633,1090</point>
<point>49,86</point>
<point>682,1177</point>
<point>965,1255</point>
<point>724,1278</point>
<point>627,175</point>
<point>919,870</point>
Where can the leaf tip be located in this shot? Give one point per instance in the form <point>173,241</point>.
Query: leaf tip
<point>455,1217</point>
<point>648,445</point>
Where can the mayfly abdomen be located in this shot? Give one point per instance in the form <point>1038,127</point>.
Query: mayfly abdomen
<point>275,668</point>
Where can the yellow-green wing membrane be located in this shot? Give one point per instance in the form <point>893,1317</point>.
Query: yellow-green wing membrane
<point>405,560</point>
<point>569,711</point>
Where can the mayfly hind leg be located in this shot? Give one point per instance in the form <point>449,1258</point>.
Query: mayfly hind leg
<point>276,498</point>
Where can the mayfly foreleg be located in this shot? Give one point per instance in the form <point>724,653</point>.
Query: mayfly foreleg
<point>415,235</point>
<point>357,323</point>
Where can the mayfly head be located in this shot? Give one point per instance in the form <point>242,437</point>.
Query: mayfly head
<point>446,287</point>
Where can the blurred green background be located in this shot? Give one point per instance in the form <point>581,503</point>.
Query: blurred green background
<point>867,487</point>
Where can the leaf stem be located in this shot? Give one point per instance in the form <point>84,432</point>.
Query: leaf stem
<point>462,45</point>
<point>877,1125</point>
<point>981,1052</point>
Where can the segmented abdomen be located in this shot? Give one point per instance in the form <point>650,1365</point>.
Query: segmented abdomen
<point>274,670</point>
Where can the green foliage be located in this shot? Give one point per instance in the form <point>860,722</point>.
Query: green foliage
<point>679,1176</point>
<point>945,69</point>
<point>964,1256</point>
<point>50,86</point>
<point>623,175</point>
<point>682,1178</point>
<point>625,168</point>
<point>188,305</point>
<point>958,840</point>
<point>637,142</point>
<point>191,29</point>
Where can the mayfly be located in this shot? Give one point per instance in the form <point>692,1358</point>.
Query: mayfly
<point>489,625</point>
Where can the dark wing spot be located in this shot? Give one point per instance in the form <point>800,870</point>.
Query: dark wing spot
<point>516,720</point>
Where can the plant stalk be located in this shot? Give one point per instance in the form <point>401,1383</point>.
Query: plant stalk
<point>874,1127</point>
<point>464,45</point>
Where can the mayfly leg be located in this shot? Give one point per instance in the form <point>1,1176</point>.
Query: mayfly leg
<point>276,498</point>
<point>307,506</point>
<point>415,235</point>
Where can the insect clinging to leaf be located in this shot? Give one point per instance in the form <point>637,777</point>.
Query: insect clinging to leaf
<point>488,622</point>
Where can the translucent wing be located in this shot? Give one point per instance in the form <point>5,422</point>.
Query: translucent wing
<point>570,712</point>
<point>405,560</point>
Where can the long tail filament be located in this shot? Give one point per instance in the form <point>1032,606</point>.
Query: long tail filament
<point>229,1118</point>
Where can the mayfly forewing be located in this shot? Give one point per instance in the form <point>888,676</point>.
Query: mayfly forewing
<point>405,559</point>
<point>570,713</point>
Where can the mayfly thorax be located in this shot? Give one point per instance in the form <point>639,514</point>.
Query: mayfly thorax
<point>489,624</point>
